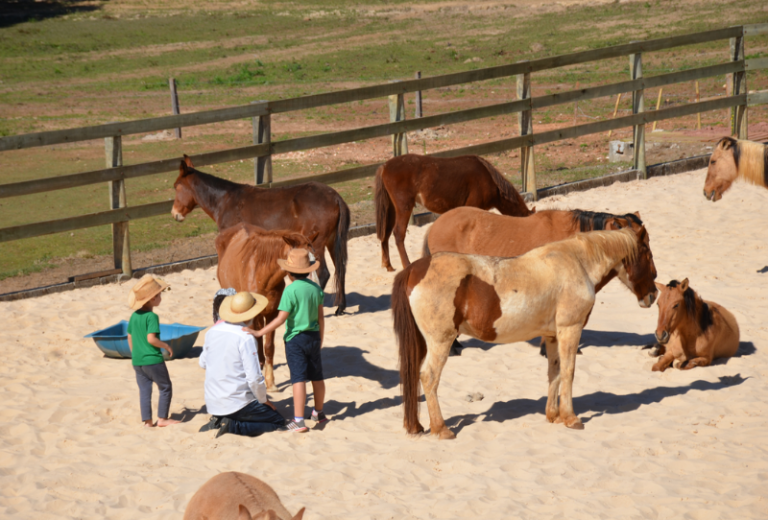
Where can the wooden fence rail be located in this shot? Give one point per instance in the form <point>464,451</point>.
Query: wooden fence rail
<point>265,148</point>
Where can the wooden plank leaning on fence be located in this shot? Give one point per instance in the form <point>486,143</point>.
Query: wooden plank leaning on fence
<point>638,107</point>
<point>121,244</point>
<point>525,127</point>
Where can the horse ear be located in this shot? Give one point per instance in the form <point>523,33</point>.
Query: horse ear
<point>612,225</point>
<point>533,210</point>
<point>184,170</point>
<point>637,214</point>
<point>243,513</point>
<point>313,236</point>
<point>288,240</point>
<point>684,285</point>
<point>659,286</point>
<point>300,514</point>
<point>188,161</point>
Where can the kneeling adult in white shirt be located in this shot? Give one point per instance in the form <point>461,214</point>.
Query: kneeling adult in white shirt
<point>235,392</point>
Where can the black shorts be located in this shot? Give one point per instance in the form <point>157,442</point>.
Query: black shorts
<point>302,352</point>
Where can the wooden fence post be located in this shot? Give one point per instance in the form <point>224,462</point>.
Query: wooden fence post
<point>525,125</point>
<point>121,245</point>
<point>397,113</point>
<point>739,113</point>
<point>419,112</point>
<point>174,103</point>
<point>638,106</point>
<point>262,133</point>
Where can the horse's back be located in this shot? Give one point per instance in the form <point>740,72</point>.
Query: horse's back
<point>727,338</point>
<point>222,495</point>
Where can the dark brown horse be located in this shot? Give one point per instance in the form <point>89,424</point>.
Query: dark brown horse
<point>439,185</point>
<point>312,209</point>
<point>477,232</point>
<point>248,262</point>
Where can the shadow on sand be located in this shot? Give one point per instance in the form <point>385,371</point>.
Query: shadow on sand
<point>598,403</point>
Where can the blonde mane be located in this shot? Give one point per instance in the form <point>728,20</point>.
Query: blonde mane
<point>752,162</point>
<point>598,245</point>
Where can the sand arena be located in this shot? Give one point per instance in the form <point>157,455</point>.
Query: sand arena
<point>682,444</point>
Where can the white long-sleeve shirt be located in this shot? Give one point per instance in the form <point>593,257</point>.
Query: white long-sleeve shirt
<point>233,378</point>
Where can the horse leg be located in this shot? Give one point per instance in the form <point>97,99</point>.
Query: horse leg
<point>662,364</point>
<point>553,372</point>
<point>389,225</point>
<point>269,361</point>
<point>323,274</point>
<point>401,226</point>
<point>697,362</point>
<point>430,379</point>
<point>568,344</point>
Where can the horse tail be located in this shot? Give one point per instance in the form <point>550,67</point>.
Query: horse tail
<point>425,245</point>
<point>340,252</point>
<point>383,204</point>
<point>412,350</point>
<point>506,190</point>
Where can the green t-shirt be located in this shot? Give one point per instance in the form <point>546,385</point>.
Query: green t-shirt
<point>301,300</point>
<point>143,323</point>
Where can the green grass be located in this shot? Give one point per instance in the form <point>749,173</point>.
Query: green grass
<point>75,71</point>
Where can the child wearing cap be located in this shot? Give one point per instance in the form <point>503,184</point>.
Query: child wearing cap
<point>301,309</point>
<point>147,358</point>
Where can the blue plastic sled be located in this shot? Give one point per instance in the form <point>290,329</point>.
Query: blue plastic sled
<point>113,341</point>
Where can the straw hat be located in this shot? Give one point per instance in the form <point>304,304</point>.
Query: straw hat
<point>144,290</point>
<point>242,307</point>
<point>298,261</point>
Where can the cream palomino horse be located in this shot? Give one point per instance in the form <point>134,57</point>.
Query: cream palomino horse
<point>735,159</point>
<point>547,292</point>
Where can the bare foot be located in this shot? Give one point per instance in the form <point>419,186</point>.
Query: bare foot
<point>166,422</point>
<point>149,424</point>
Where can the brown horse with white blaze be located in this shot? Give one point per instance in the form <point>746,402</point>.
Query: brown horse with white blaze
<point>311,208</point>
<point>439,184</point>
<point>248,262</point>
<point>691,331</point>
<point>548,292</point>
<point>735,159</point>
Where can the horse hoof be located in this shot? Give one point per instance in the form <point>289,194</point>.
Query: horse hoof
<point>339,312</point>
<point>446,435</point>
<point>578,425</point>
<point>389,268</point>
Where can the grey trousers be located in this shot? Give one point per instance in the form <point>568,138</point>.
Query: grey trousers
<point>158,374</point>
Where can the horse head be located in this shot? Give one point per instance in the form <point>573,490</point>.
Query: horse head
<point>638,273</point>
<point>672,308</point>
<point>299,241</point>
<point>722,170</point>
<point>185,200</point>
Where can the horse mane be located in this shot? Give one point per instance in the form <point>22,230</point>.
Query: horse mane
<point>506,189</point>
<point>597,245</point>
<point>704,318</point>
<point>751,160</point>
<point>595,220</point>
<point>215,182</point>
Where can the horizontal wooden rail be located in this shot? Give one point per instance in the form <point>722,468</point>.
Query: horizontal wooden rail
<point>757,98</point>
<point>345,96</point>
<point>317,141</point>
<point>756,64</point>
<point>755,29</point>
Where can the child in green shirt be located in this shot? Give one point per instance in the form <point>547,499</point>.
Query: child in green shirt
<point>301,309</point>
<point>144,342</point>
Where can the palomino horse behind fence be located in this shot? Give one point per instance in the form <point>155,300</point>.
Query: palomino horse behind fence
<point>734,159</point>
<point>547,292</point>
<point>312,209</point>
<point>248,262</point>
<point>476,232</point>
<point>439,185</point>
<point>692,332</point>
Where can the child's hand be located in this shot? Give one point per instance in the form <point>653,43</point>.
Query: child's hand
<point>252,332</point>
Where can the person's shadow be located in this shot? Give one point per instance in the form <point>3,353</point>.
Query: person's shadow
<point>188,414</point>
<point>599,403</point>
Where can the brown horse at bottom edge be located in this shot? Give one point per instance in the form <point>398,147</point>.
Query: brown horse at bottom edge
<point>237,496</point>
<point>547,292</point>
<point>691,331</point>
<point>248,262</point>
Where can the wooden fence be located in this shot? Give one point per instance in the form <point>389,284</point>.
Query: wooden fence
<point>120,213</point>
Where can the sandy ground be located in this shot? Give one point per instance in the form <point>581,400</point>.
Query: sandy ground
<point>674,445</point>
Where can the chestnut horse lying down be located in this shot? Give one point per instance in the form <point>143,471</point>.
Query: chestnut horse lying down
<point>477,232</point>
<point>691,331</point>
<point>248,262</point>
<point>734,159</point>
<point>547,292</point>
<point>237,496</point>
<point>312,209</point>
<point>439,185</point>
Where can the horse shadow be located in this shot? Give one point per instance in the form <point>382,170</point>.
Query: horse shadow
<point>599,403</point>
<point>342,361</point>
<point>746,348</point>
<point>763,270</point>
<point>605,338</point>
<point>367,303</point>
<point>341,410</point>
